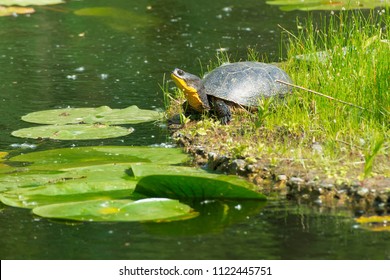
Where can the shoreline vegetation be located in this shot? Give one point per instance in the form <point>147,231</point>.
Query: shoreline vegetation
<point>330,150</point>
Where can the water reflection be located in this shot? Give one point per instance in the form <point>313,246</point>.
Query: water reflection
<point>277,231</point>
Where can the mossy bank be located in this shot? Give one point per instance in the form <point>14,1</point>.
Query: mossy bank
<point>330,149</point>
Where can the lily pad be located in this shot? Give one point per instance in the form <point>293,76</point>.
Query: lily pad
<point>103,114</point>
<point>120,19</point>
<point>10,11</point>
<point>4,167</point>
<point>93,155</point>
<point>157,210</point>
<point>74,184</point>
<point>72,132</point>
<point>374,223</point>
<point>192,188</point>
<point>3,155</point>
<point>142,169</point>
<point>30,2</point>
<point>26,179</point>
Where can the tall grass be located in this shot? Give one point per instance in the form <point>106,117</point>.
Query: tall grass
<point>347,58</point>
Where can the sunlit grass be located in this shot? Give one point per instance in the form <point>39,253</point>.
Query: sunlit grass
<point>353,65</point>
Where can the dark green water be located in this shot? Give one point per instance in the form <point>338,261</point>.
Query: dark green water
<point>55,59</point>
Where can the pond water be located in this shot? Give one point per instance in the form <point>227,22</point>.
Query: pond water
<point>65,55</point>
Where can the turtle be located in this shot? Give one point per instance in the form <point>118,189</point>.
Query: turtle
<point>240,84</point>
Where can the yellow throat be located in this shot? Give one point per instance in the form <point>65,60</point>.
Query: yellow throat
<point>190,93</point>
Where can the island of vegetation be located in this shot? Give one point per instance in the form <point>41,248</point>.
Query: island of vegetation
<point>326,143</point>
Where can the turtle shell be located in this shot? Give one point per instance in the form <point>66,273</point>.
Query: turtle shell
<point>244,83</point>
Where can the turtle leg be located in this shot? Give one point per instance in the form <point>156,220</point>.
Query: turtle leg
<point>222,111</point>
<point>189,111</point>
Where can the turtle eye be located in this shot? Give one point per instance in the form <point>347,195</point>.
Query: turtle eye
<point>180,72</point>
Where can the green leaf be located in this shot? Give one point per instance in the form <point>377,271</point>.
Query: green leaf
<point>369,158</point>
<point>120,19</point>
<point>67,192</point>
<point>74,184</point>
<point>141,169</point>
<point>4,167</point>
<point>190,187</point>
<point>3,155</point>
<point>72,132</point>
<point>10,11</point>
<point>30,2</point>
<point>84,156</point>
<point>26,178</point>
<point>129,115</point>
<point>103,114</point>
<point>157,210</point>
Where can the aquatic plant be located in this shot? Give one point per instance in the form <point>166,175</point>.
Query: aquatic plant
<point>84,123</point>
<point>115,183</point>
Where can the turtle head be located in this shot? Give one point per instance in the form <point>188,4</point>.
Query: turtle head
<point>191,86</point>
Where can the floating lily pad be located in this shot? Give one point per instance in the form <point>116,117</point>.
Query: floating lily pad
<point>187,187</point>
<point>30,2</point>
<point>84,156</point>
<point>67,192</point>
<point>373,219</point>
<point>103,114</point>
<point>142,169</point>
<point>3,155</point>
<point>157,210</point>
<point>119,19</point>
<point>10,11</point>
<point>129,115</point>
<point>29,179</point>
<point>374,223</point>
<point>4,167</point>
<point>74,184</point>
<point>72,132</point>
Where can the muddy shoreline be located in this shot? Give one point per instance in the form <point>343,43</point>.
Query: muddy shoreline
<point>369,196</point>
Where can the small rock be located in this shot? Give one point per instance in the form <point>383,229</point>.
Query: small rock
<point>318,201</point>
<point>212,155</point>
<point>362,191</point>
<point>216,162</point>
<point>199,150</point>
<point>251,168</point>
<point>327,186</point>
<point>296,180</point>
<point>237,166</point>
<point>282,177</point>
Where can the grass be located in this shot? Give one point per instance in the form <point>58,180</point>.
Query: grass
<point>346,57</point>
